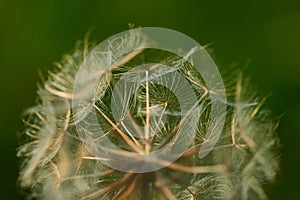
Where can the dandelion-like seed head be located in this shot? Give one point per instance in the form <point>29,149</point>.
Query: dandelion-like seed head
<point>145,115</point>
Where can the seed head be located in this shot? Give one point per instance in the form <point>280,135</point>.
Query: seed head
<point>125,121</point>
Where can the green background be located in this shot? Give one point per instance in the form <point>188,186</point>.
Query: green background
<point>34,34</point>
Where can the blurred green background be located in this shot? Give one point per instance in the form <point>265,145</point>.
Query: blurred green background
<point>34,34</point>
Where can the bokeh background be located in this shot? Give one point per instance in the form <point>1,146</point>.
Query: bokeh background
<point>34,34</point>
